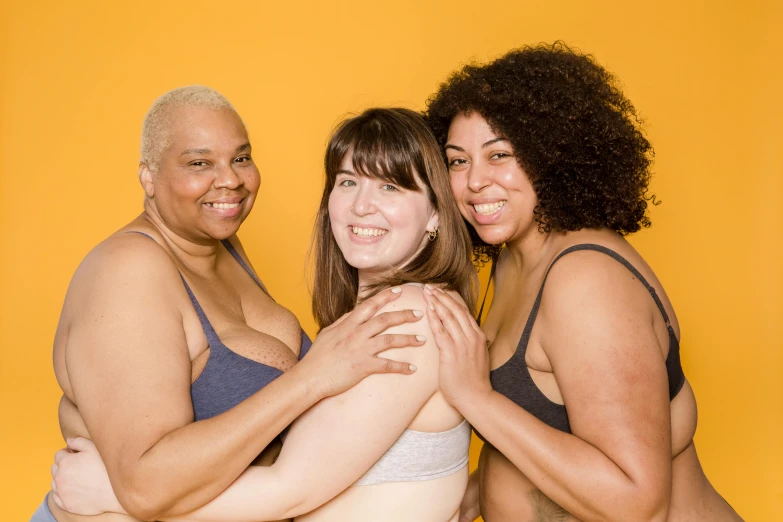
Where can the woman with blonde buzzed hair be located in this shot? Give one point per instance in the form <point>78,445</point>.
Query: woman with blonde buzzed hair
<point>166,323</point>
<point>390,448</point>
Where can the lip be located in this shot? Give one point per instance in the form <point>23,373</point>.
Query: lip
<point>486,219</point>
<point>226,212</point>
<point>364,240</point>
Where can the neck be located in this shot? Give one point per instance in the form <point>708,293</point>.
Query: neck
<point>196,254</point>
<point>530,250</point>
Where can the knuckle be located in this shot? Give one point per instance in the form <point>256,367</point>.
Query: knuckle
<point>388,340</point>
<point>387,365</point>
<point>383,318</point>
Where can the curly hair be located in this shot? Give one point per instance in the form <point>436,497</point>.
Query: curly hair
<point>574,133</point>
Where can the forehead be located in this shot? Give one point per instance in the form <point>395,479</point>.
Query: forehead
<point>203,127</point>
<point>468,129</point>
<point>347,166</point>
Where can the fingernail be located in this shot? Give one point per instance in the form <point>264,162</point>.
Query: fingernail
<point>412,367</point>
<point>432,306</point>
<point>427,291</point>
<point>421,338</point>
<point>417,313</point>
<point>396,290</point>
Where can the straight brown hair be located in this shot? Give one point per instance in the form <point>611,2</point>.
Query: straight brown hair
<point>394,145</point>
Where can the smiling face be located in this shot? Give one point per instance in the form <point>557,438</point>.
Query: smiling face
<point>378,225</point>
<point>492,191</point>
<point>206,181</point>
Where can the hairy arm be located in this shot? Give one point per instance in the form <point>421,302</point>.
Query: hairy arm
<point>129,366</point>
<point>596,324</point>
<point>329,447</point>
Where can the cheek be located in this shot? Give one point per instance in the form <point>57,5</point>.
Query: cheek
<point>334,206</point>
<point>253,181</point>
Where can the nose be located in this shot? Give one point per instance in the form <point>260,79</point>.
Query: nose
<point>226,177</point>
<point>479,177</point>
<point>363,203</point>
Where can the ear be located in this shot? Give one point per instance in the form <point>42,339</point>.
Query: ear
<point>145,178</point>
<point>434,221</point>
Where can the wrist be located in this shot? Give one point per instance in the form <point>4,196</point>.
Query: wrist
<point>309,385</point>
<point>470,402</point>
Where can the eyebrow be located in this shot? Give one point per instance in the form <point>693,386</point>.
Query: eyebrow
<point>239,149</point>
<point>343,171</point>
<point>485,145</point>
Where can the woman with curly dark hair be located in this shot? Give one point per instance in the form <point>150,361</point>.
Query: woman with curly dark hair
<point>585,412</point>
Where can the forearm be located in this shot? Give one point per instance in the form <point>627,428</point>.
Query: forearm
<point>573,473</point>
<point>192,465</point>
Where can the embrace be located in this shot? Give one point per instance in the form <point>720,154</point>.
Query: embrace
<point>189,394</point>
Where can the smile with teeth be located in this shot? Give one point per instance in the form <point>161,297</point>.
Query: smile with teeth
<point>368,232</point>
<point>223,205</point>
<point>488,208</point>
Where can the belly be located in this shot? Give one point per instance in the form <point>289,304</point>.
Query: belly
<point>435,500</point>
<point>507,495</point>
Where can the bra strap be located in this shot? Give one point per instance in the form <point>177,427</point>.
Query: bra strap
<point>233,251</point>
<point>202,317</point>
<point>609,252</point>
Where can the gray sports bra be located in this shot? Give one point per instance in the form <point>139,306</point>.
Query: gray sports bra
<point>421,455</point>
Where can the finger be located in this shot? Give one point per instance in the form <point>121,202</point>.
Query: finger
<point>459,312</point>
<point>367,310</point>
<point>384,342</point>
<point>386,320</point>
<point>60,455</point>
<point>80,444</point>
<point>441,337</point>
<point>54,485</point>
<point>450,323</point>
<point>54,469</point>
<point>440,291</point>
<point>389,366</point>
<point>57,500</point>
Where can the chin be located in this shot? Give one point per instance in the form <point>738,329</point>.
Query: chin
<point>494,236</point>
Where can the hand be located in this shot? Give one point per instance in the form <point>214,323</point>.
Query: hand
<point>80,483</point>
<point>464,360</point>
<point>345,352</point>
<point>469,508</point>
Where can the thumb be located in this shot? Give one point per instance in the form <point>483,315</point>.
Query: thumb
<point>80,444</point>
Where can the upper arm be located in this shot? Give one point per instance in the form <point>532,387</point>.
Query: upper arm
<point>599,337</point>
<point>126,354</point>
<point>336,441</point>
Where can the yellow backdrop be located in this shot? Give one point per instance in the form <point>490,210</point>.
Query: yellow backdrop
<point>75,82</point>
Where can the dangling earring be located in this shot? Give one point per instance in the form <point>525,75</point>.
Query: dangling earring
<point>432,236</point>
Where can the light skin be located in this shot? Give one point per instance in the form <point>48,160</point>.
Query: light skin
<point>129,335</point>
<point>331,445</point>
<point>598,346</point>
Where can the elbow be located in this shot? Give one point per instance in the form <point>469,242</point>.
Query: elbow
<point>643,504</point>
<point>294,507</point>
<point>144,503</point>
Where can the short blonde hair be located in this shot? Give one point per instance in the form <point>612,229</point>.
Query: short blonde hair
<point>156,129</point>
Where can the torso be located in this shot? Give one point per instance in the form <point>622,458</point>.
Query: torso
<point>506,493</point>
<point>411,501</point>
<point>246,319</point>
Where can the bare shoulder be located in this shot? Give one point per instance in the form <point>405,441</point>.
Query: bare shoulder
<point>411,298</point>
<point>121,262</point>
<point>588,277</point>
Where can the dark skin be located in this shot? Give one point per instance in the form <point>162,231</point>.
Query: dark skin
<point>598,346</point>
<point>128,333</point>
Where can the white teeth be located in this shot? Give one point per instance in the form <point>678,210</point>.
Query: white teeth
<point>223,205</point>
<point>489,208</point>
<point>368,232</point>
